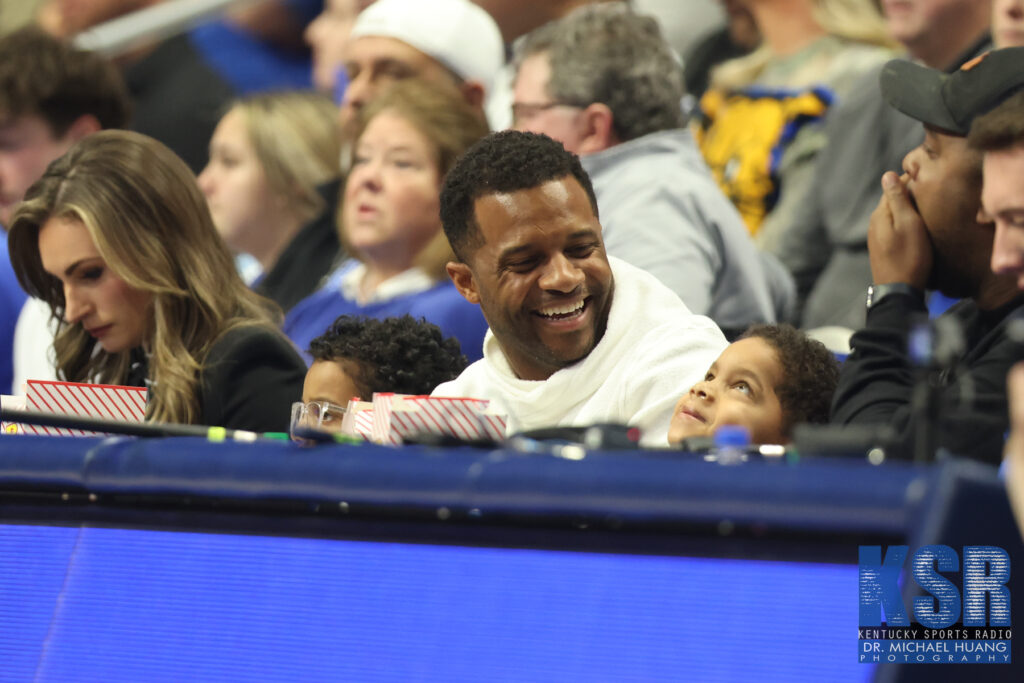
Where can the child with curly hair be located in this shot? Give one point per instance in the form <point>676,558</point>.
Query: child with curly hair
<point>358,356</point>
<point>769,380</point>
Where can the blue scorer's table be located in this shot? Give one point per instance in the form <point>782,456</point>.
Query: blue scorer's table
<point>178,559</point>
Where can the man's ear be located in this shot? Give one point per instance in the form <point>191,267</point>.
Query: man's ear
<point>473,92</point>
<point>86,124</point>
<point>462,276</point>
<point>598,130</point>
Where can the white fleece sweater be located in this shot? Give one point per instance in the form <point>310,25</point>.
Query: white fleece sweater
<point>653,350</point>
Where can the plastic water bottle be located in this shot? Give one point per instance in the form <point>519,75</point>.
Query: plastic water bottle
<point>731,442</point>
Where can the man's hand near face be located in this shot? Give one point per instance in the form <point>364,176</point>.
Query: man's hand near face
<point>898,241</point>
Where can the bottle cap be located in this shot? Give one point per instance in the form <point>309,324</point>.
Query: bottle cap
<point>731,435</point>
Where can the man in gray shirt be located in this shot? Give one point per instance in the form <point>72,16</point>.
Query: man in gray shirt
<point>603,82</point>
<point>825,246</point>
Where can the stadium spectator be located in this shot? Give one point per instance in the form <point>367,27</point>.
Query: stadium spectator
<point>1000,136</point>
<point>451,43</point>
<point>825,243</point>
<point>272,186</point>
<point>118,240</point>
<point>390,226</point>
<point>576,337</point>
<point>770,380</point>
<point>759,124</point>
<point>603,82</point>
<point>928,232</point>
<point>358,356</point>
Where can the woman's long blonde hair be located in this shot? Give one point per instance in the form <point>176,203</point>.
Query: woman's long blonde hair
<point>855,21</point>
<point>442,115</point>
<point>144,212</point>
<point>296,139</point>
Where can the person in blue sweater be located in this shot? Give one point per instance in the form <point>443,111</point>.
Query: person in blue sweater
<point>390,219</point>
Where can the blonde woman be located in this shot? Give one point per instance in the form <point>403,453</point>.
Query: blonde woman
<point>118,240</point>
<point>390,219</point>
<point>272,186</point>
<point>760,123</point>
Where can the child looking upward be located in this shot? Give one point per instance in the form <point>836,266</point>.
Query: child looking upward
<point>769,380</point>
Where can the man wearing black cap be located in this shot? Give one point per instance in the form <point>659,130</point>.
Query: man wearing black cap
<point>925,234</point>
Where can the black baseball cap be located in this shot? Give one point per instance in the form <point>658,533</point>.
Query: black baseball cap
<point>952,101</point>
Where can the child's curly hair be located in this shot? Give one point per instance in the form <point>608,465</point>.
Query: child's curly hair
<point>810,373</point>
<point>401,355</point>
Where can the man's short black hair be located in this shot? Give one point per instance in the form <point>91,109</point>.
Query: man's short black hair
<point>810,373</point>
<point>503,162</point>
<point>401,355</point>
<point>41,75</point>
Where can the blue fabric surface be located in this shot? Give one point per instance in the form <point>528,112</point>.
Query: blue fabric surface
<point>939,303</point>
<point>835,494</point>
<point>12,297</point>
<point>441,304</point>
<point>248,64</point>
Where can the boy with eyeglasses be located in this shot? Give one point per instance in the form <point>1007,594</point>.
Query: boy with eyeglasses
<point>359,356</point>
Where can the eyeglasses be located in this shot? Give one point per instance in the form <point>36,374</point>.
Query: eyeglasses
<point>322,415</point>
<point>527,110</point>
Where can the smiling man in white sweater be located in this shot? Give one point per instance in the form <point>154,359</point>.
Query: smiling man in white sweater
<point>575,338</point>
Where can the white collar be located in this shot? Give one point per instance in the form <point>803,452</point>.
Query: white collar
<point>411,281</point>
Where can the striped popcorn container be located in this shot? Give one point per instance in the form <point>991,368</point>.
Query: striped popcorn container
<point>104,401</point>
<point>397,417</point>
<point>358,420</point>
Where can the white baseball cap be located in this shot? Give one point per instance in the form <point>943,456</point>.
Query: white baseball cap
<point>457,33</point>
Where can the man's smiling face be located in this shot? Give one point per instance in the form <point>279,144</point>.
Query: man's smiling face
<point>540,275</point>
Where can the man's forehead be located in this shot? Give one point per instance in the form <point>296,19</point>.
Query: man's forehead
<point>1009,155</point>
<point>554,192</point>
<point>1004,177</point>
<point>559,195</point>
<point>510,216</point>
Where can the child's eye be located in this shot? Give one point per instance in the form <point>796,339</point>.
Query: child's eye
<point>708,377</point>
<point>744,387</point>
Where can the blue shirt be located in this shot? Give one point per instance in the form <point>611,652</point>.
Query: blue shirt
<point>12,297</point>
<point>441,305</point>
<point>249,64</point>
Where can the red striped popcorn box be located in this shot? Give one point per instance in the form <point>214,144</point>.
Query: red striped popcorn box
<point>381,431</point>
<point>104,401</point>
<point>358,420</point>
<point>397,417</point>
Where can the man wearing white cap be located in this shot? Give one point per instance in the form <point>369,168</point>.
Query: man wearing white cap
<point>451,42</point>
